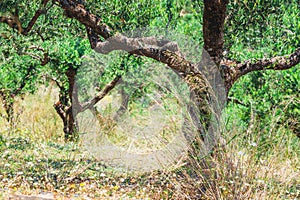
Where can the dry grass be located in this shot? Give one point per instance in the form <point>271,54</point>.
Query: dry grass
<point>258,163</point>
<point>261,164</point>
<point>35,117</point>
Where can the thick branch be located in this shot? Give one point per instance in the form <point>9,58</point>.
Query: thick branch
<point>275,63</point>
<point>77,11</point>
<point>160,50</point>
<point>234,70</point>
<point>121,42</point>
<point>93,37</point>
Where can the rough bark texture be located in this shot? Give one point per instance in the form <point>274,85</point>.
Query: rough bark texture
<point>234,70</point>
<point>213,28</point>
<point>275,63</point>
<point>64,106</point>
<point>77,11</point>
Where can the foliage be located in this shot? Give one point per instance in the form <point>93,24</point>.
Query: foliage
<point>127,15</point>
<point>260,29</point>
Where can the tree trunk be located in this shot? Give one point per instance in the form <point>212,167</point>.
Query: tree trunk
<point>124,105</point>
<point>8,104</point>
<point>213,28</point>
<point>70,128</point>
<point>67,106</point>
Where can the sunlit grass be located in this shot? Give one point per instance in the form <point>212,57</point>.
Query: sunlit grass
<point>35,117</point>
<point>145,129</point>
<point>258,162</point>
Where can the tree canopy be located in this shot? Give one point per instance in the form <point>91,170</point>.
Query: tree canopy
<point>52,37</point>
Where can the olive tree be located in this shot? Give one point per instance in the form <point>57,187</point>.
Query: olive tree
<point>104,39</point>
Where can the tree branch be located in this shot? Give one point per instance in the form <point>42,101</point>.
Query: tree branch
<point>44,60</point>
<point>15,23</point>
<point>160,50</point>
<point>275,63</point>
<point>35,17</point>
<point>100,95</point>
<point>77,11</point>
<point>46,76</point>
<point>233,70</point>
<point>93,37</point>
<point>237,101</point>
<point>12,22</point>
<point>121,42</point>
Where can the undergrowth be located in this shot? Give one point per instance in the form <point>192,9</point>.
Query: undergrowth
<point>255,161</point>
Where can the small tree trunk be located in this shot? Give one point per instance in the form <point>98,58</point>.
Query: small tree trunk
<point>68,118</point>
<point>8,105</point>
<point>70,128</point>
<point>71,112</point>
<point>124,105</point>
<point>67,105</point>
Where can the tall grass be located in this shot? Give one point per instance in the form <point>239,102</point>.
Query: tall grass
<point>35,117</point>
<point>258,161</point>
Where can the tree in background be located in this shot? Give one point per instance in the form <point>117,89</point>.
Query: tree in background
<point>62,48</point>
<point>19,73</point>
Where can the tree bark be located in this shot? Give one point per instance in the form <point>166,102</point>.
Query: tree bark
<point>67,104</point>
<point>124,105</point>
<point>213,28</point>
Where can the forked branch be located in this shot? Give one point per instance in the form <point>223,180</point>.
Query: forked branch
<point>161,50</point>
<point>15,22</point>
